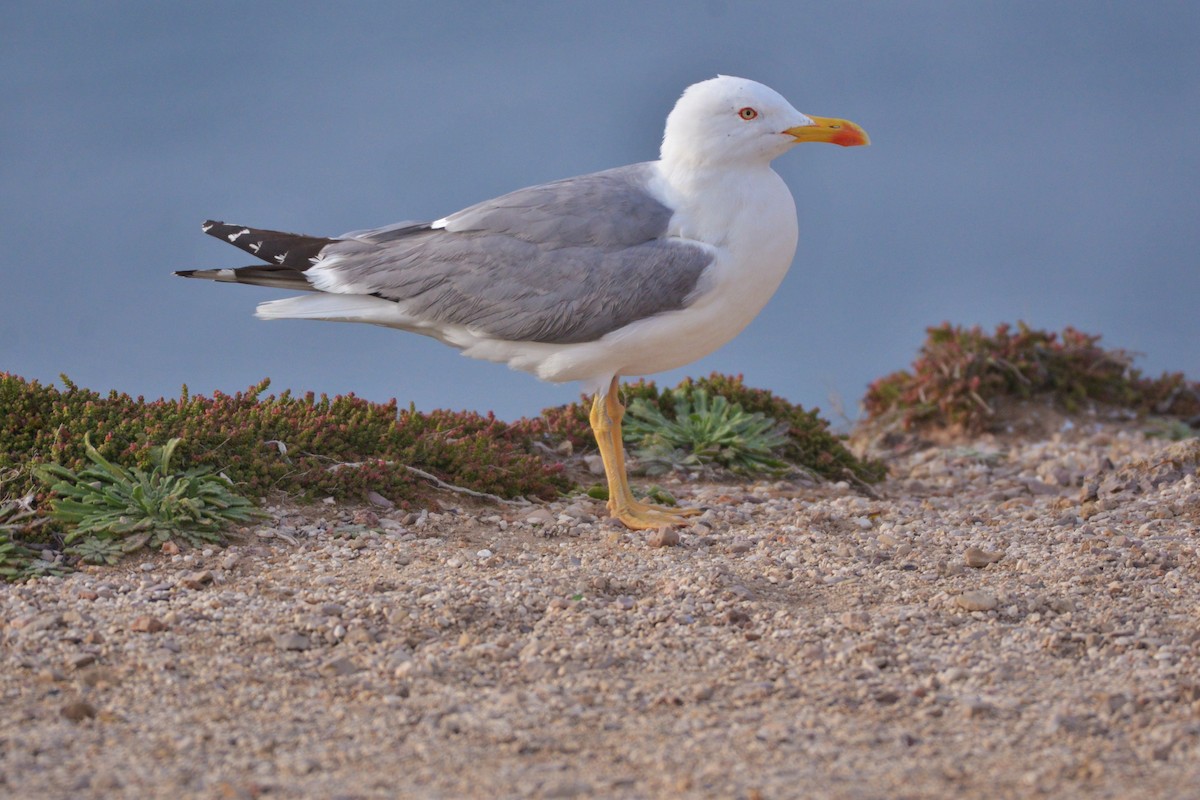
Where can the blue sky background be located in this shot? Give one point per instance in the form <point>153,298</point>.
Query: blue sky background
<point>1030,160</point>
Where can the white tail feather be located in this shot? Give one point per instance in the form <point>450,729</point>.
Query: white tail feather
<point>336,308</point>
<point>369,309</point>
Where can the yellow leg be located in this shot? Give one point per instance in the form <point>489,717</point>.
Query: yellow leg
<point>616,412</point>
<point>606,415</point>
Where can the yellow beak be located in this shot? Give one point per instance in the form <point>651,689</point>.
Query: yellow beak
<point>834,131</point>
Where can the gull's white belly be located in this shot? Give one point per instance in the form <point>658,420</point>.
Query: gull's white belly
<point>677,338</point>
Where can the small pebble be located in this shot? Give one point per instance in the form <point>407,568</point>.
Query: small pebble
<point>78,711</point>
<point>376,499</point>
<point>663,537</point>
<point>147,624</point>
<point>978,558</point>
<point>82,660</point>
<point>197,580</point>
<point>292,641</point>
<point>977,600</point>
<point>340,667</point>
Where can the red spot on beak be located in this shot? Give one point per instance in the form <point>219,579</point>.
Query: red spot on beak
<point>848,137</point>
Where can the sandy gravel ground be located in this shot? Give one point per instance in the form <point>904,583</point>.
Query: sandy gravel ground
<point>1007,619</point>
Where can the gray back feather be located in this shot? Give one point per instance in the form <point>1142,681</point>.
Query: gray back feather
<point>560,263</point>
<point>607,209</point>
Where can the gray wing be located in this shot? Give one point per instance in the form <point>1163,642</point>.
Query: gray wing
<point>560,263</point>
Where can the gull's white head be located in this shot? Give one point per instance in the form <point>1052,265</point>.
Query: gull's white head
<point>727,120</point>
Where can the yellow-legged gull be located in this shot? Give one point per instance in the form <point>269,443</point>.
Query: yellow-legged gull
<point>625,272</point>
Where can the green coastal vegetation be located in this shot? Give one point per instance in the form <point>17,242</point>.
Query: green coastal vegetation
<point>91,477</point>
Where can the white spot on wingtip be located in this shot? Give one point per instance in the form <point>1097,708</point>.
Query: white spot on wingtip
<point>206,227</point>
<point>226,274</point>
<point>279,259</point>
<point>233,237</point>
<point>254,248</point>
<point>438,224</point>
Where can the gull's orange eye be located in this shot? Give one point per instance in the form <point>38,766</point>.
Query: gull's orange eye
<point>747,113</point>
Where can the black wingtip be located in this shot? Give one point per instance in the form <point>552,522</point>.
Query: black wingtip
<point>277,248</point>
<point>186,273</point>
<point>214,227</point>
